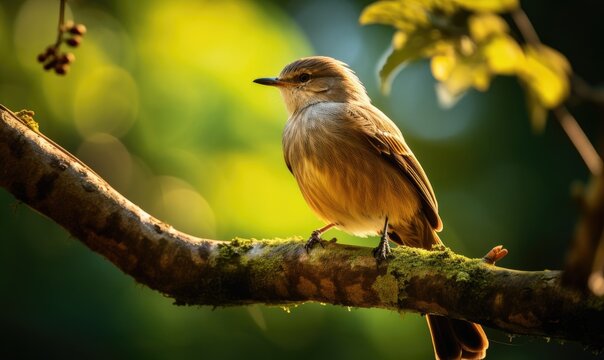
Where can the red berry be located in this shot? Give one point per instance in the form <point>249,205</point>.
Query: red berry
<point>42,57</point>
<point>67,58</point>
<point>49,65</point>
<point>62,69</point>
<point>67,25</point>
<point>74,41</point>
<point>78,29</point>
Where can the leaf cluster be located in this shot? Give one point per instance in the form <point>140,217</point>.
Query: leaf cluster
<point>468,43</point>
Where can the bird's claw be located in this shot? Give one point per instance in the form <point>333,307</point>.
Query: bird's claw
<point>382,251</point>
<point>315,237</point>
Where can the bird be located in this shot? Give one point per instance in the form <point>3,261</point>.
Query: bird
<point>357,173</point>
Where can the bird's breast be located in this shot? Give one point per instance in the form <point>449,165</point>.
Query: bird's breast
<point>341,176</point>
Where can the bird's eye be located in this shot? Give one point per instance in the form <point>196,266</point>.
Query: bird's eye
<point>304,77</point>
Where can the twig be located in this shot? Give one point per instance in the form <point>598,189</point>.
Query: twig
<point>582,90</point>
<point>525,26</point>
<point>61,27</point>
<point>579,139</point>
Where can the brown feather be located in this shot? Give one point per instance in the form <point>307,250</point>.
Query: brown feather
<point>471,336</point>
<point>446,346</point>
<point>457,339</point>
<point>385,137</point>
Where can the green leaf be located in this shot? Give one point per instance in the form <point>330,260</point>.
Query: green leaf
<point>488,5</point>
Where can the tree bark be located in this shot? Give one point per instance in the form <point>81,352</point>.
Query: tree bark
<point>197,271</point>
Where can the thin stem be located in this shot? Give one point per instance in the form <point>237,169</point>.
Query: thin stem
<point>584,91</point>
<point>579,139</point>
<point>523,23</point>
<point>61,23</point>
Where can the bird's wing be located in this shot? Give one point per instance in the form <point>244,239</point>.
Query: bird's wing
<point>387,139</point>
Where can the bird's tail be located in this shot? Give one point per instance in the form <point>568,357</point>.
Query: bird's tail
<point>457,339</point>
<point>451,338</point>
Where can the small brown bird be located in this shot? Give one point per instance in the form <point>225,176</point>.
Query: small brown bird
<point>357,173</point>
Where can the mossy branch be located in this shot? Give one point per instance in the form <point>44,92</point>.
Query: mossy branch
<point>210,272</point>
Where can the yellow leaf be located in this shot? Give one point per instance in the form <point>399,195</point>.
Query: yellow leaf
<point>405,16</point>
<point>441,66</point>
<point>545,71</point>
<point>537,113</point>
<point>481,78</point>
<point>459,81</point>
<point>399,39</point>
<point>503,55</point>
<point>445,6</point>
<point>483,25</point>
<point>466,74</point>
<point>466,46</point>
<point>552,57</point>
<point>488,5</point>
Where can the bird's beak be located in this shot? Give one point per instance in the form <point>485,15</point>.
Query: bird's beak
<point>272,82</point>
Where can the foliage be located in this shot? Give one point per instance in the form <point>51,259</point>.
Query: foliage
<point>468,43</point>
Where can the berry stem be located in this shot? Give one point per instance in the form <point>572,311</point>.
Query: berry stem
<point>61,23</point>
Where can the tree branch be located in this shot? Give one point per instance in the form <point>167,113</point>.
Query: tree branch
<point>209,272</point>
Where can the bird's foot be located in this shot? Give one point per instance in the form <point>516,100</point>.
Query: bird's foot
<point>315,238</point>
<point>497,253</point>
<point>382,251</point>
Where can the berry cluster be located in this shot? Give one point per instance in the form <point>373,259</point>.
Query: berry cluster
<point>53,58</point>
<point>76,31</point>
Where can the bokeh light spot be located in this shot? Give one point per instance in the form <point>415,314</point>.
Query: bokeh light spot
<point>328,30</point>
<point>393,336</point>
<point>106,101</point>
<point>183,207</point>
<point>255,199</point>
<point>3,29</point>
<point>415,106</point>
<point>202,67</point>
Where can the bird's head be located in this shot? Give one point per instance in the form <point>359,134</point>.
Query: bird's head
<point>317,79</point>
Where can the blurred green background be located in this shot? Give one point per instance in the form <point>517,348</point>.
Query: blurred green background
<point>160,101</point>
